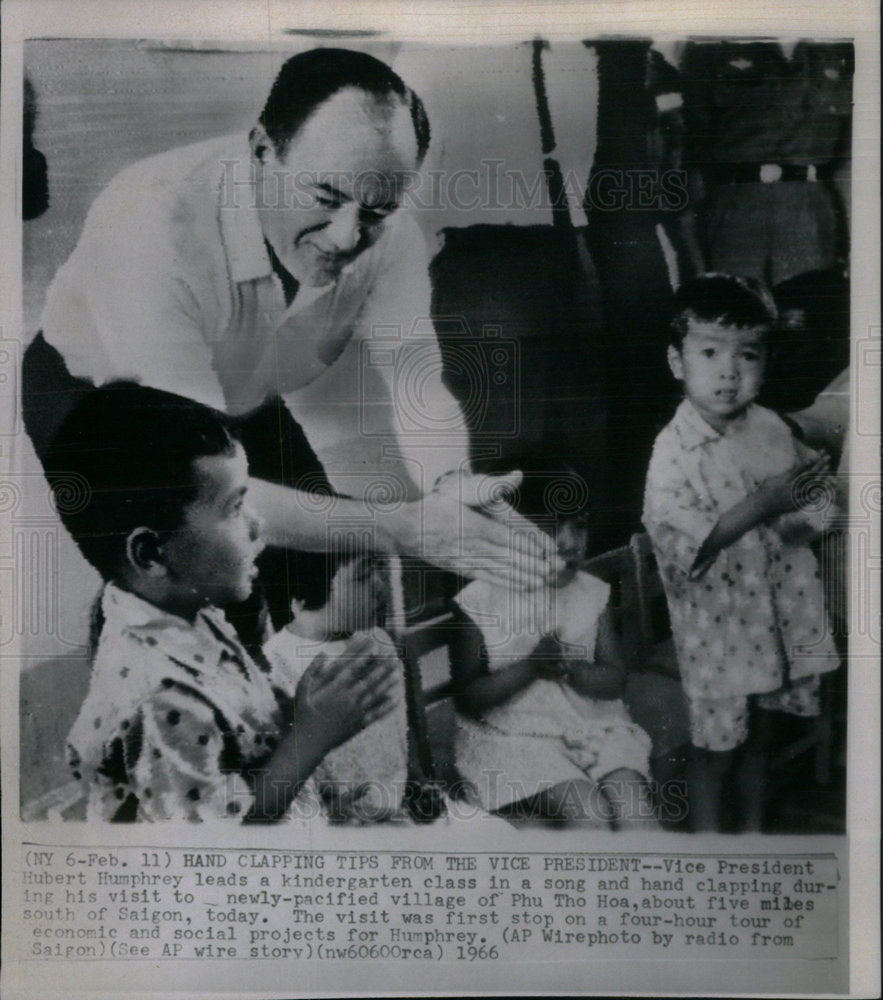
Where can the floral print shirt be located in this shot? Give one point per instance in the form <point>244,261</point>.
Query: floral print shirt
<point>177,719</point>
<point>754,617</point>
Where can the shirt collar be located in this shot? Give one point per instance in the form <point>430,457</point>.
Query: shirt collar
<point>240,227</point>
<point>200,645</point>
<point>693,430</point>
<point>696,431</point>
<point>244,239</point>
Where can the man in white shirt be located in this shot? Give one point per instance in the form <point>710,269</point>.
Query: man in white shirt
<point>238,274</point>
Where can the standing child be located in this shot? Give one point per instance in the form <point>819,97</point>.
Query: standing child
<point>179,722</point>
<point>742,583</point>
<point>544,734</point>
<point>337,598</point>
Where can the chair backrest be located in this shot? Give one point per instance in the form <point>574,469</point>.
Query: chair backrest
<point>423,648</point>
<point>653,608</point>
<point>617,568</point>
<point>637,598</point>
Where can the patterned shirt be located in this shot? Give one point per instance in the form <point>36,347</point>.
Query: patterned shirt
<point>756,615</point>
<point>176,718</point>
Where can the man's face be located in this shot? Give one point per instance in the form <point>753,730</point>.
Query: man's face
<point>342,175</point>
<point>721,367</point>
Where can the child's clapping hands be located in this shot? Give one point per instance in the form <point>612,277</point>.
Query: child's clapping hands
<point>337,697</point>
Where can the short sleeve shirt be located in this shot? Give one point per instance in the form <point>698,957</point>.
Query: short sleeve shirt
<point>756,616</point>
<point>177,718</point>
<point>512,622</point>
<point>171,285</point>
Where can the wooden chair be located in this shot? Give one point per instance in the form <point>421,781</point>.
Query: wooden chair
<point>424,649</point>
<point>640,617</point>
<point>638,603</point>
<point>653,693</point>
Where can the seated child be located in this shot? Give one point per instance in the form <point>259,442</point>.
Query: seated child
<point>179,722</point>
<point>544,733</point>
<point>334,598</point>
<point>742,583</point>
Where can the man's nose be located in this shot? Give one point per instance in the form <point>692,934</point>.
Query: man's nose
<point>729,369</point>
<point>343,230</point>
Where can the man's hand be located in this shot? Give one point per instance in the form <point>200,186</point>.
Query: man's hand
<point>469,526</point>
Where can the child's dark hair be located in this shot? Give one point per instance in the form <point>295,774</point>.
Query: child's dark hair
<point>123,459</point>
<point>551,490</point>
<point>727,299</point>
<point>310,575</point>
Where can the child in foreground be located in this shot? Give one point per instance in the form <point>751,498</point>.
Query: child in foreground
<point>742,584</point>
<point>337,598</point>
<point>179,722</point>
<point>544,734</point>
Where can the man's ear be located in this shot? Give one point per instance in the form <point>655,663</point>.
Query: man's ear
<point>144,552</point>
<point>675,362</point>
<point>260,143</point>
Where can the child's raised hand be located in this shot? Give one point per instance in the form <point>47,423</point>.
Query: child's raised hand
<point>337,697</point>
<point>780,494</point>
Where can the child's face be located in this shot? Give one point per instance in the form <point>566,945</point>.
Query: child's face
<point>721,368</point>
<point>358,597</point>
<point>571,538</point>
<point>211,559</point>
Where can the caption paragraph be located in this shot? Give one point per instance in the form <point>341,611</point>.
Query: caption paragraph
<point>86,904</point>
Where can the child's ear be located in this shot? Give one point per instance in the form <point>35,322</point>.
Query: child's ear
<point>144,552</point>
<point>675,362</point>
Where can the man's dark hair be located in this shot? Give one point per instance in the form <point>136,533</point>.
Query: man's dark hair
<point>727,299</point>
<point>123,459</point>
<point>309,79</point>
